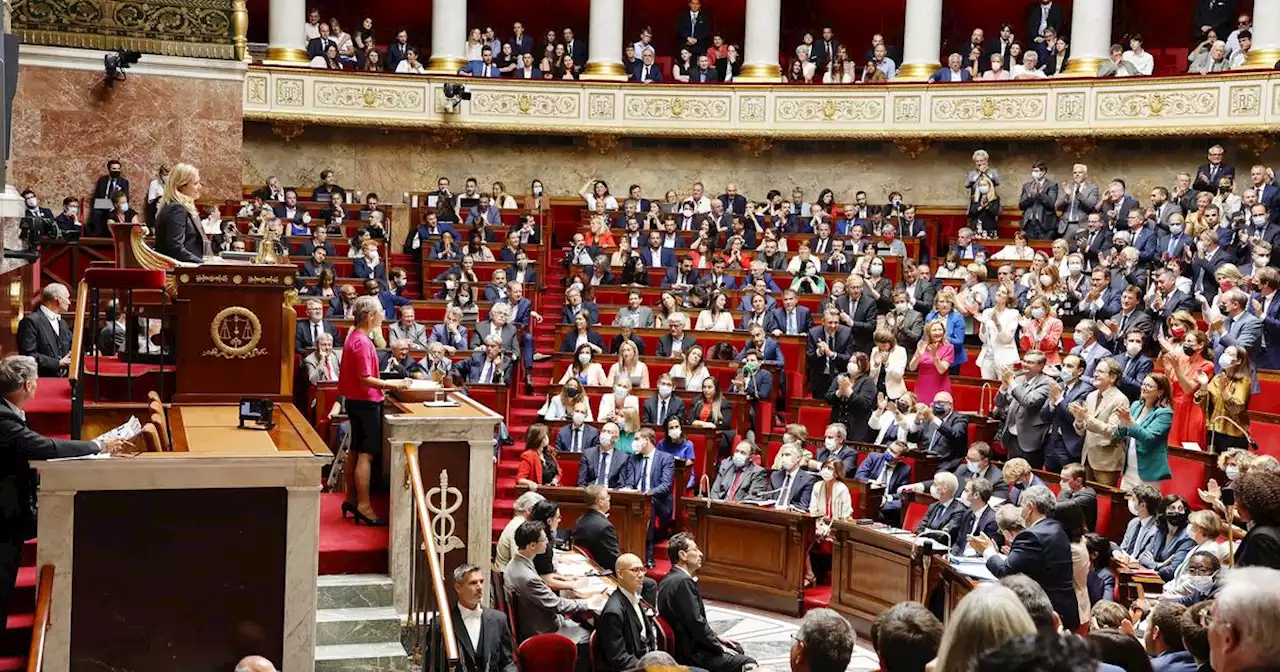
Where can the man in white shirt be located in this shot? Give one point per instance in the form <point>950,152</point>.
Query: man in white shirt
<point>701,204</point>
<point>979,519</point>
<point>311,29</point>
<point>625,629</point>
<point>646,38</point>
<point>1241,54</point>
<point>44,335</point>
<point>484,637</point>
<point>1141,59</point>
<point>1029,67</point>
<point>1243,23</point>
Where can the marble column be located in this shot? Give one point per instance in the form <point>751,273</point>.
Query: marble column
<point>604,51</point>
<point>448,36</point>
<point>922,40</point>
<point>286,42</point>
<point>1266,35</point>
<point>1090,37</point>
<point>760,48</point>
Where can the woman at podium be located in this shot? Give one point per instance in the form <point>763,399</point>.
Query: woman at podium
<point>177,226</point>
<point>359,384</point>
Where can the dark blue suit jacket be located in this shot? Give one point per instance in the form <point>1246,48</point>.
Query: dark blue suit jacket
<point>801,487</point>
<point>590,440</point>
<point>1270,359</point>
<point>441,334</point>
<point>673,273</point>
<point>651,72</point>
<point>772,352</point>
<point>1148,251</point>
<point>661,480</point>
<point>872,465</point>
<point>1179,245</point>
<point>1131,377</point>
<point>986,525</point>
<point>589,464</point>
<point>360,269</point>
<point>1043,553</point>
<point>390,302</point>
<point>476,69</point>
<point>567,313</point>
<point>1063,421</point>
<point>803,321</point>
<point>666,257</point>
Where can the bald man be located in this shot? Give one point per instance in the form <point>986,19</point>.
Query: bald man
<point>625,628</point>
<point>255,664</point>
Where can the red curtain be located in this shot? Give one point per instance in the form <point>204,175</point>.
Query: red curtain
<point>1164,23</point>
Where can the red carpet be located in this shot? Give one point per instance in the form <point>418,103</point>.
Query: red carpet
<point>50,412</point>
<point>347,548</point>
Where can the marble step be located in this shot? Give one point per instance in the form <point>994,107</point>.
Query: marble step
<point>338,591</point>
<point>357,625</point>
<point>383,657</point>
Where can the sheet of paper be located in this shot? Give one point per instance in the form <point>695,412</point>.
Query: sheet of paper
<point>126,431</point>
<point>95,456</point>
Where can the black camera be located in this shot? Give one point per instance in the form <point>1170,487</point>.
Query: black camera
<point>454,94</point>
<point>117,62</point>
<point>32,230</point>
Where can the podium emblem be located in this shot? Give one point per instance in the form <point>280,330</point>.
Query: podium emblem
<point>236,332</point>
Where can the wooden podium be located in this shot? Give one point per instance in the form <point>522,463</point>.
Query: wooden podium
<point>235,332</point>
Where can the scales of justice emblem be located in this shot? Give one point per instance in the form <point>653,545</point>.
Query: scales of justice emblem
<point>235,332</point>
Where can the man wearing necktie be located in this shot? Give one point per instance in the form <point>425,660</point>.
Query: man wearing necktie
<point>828,348</point>
<point>739,477</point>
<point>652,473</point>
<point>107,185</point>
<point>889,471</point>
<point>791,485</point>
<point>481,68</point>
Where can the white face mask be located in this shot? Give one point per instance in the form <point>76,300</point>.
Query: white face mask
<point>827,474</point>
<point>1037,313</point>
<point>1175,229</point>
<point>1226,361</point>
<point>606,439</point>
<point>579,417</point>
<point>664,391</point>
<point>1036,175</point>
<point>32,202</point>
<point>789,462</point>
<point>739,460</point>
<point>829,443</point>
<point>1133,349</point>
<point>1233,472</point>
<point>903,307</point>
<point>1046,280</point>
<point>620,392</point>
<point>975,467</point>
<point>984,189</point>
<point>877,270</point>
<point>450,284</point>
<point>584,359</point>
<point>674,434</point>
<point>1075,268</point>
<point>1133,508</point>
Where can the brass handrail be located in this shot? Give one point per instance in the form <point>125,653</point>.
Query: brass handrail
<point>44,606</point>
<point>443,617</point>
<point>77,333</point>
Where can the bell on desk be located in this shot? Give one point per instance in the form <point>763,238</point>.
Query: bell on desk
<point>270,251</point>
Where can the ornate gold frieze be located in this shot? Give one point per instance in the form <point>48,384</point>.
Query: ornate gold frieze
<point>525,104</point>
<point>863,110</point>
<point>394,99</point>
<point>201,28</point>
<point>1232,104</point>
<point>989,108</point>
<point>1157,104</point>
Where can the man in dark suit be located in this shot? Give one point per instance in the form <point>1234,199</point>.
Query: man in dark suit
<point>342,304</point>
<point>825,50</point>
<point>683,276</point>
<point>791,485</point>
<point>655,254</point>
<point>32,206</point>
<point>398,362</point>
<point>521,42</point>
<point>920,288</point>
<point>317,46</point>
<point>593,531</point>
<point>579,437</point>
<point>106,186</point>
<point>680,605</point>
<point>1134,364</point>
<point>1173,299</point>
<point>575,49</point>
<point>398,50</point>
<point>977,464</point>
<point>625,629</point>
<point>954,72</point>
<point>662,406</point>
<point>272,191</point>
<point>790,318</point>
<point>704,73</point>
<point>484,636</point>
<point>1267,305</point>
<point>306,331</point>
<point>858,312</point>
<point>1213,255</point>
<point>978,519</point>
<point>1063,443</point>
<point>1042,551</point>
<point>941,430</point>
<point>828,349</point>
<point>44,335</point>
<point>693,30</point>
<point>19,377</point>
<point>651,472</point>
<point>739,478</point>
<point>1041,15</point>
<point>1075,492</point>
<point>676,343</point>
<point>889,471</point>
<point>319,239</point>
<point>944,514</point>
<point>967,248</point>
<point>1173,245</point>
<point>1131,317</point>
<point>490,365</point>
<point>1209,175</point>
<point>1116,205</point>
<point>647,73</point>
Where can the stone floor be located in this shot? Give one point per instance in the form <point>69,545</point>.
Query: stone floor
<point>767,637</point>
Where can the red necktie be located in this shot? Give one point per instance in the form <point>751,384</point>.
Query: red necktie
<point>733,489</point>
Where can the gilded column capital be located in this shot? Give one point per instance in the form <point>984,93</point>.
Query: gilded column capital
<point>1256,145</point>
<point>602,143</point>
<point>1078,146</point>
<point>755,145</point>
<point>913,147</point>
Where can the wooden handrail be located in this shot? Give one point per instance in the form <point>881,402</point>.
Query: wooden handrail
<point>44,606</point>
<point>77,332</point>
<point>434,569</point>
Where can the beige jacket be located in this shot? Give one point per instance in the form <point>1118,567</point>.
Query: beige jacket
<point>1102,449</point>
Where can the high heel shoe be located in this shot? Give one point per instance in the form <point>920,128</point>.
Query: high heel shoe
<point>348,507</point>
<point>371,522</point>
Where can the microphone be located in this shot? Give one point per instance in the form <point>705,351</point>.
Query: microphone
<point>937,537</point>
<point>704,487</point>
<point>1213,439</point>
<point>982,398</point>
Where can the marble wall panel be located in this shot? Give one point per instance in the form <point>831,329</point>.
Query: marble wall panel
<point>67,124</point>
<point>397,161</point>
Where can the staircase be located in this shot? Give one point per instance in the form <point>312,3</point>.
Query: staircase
<point>357,629</point>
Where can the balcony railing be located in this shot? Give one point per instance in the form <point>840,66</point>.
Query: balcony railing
<point>1239,104</point>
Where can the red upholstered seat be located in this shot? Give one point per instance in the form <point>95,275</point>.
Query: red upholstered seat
<point>914,513</point>
<point>666,636</point>
<point>124,278</point>
<point>547,653</point>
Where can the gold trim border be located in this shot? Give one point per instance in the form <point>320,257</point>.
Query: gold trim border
<point>145,45</point>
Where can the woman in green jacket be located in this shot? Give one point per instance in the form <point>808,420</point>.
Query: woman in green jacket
<point>1146,424</point>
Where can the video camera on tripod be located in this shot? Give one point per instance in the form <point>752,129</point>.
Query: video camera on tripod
<point>34,229</point>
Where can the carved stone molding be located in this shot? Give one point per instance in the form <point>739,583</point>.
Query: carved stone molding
<point>602,143</point>
<point>756,146</point>
<point>1256,145</point>
<point>1078,147</point>
<point>448,138</point>
<point>913,147</point>
<point>200,28</point>
<point>288,130</point>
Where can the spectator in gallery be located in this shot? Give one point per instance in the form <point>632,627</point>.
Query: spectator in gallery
<point>410,64</point>
<point>1141,59</point>
<point>1116,65</point>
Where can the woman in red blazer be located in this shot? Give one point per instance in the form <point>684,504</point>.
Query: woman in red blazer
<point>531,473</point>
